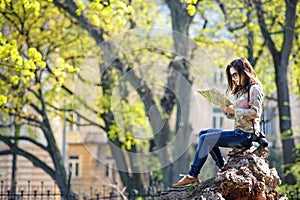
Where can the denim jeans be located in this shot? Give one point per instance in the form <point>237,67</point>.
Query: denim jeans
<point>209,142</point>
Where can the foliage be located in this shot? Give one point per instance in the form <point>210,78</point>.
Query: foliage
<point>22,56</point>
<point>290,191</point>
<point>35,66</point>
<point>190,6</point>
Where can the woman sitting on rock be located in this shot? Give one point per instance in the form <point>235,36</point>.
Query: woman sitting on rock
<point>246,111</point>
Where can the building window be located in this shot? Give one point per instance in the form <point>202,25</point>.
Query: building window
<point>268,116</point>
<point>106,170</point>
<point>109,171</point>
<point>219,75</point>
<point>74,165</point>
<point>217,118</point>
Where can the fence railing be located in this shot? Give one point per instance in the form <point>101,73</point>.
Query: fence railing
<point>29,192</point>
<point>50,192</point>
<point>151,192</point>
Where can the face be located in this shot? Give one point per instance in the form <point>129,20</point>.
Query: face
<point>236,78</point>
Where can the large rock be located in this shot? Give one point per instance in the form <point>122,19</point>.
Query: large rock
<point>246,176</point>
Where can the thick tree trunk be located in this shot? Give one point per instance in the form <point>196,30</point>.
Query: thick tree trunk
<point>59,168</point>
<point>137,183</point>
<point>181,21</point>
<point>60,172</point>
<point>288,144</point>
<point>119,157</point>
<point>115,144</point>
<point>280,59</point>
<point>183,126</point>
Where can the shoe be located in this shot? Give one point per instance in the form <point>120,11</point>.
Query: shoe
<point>186,180</point>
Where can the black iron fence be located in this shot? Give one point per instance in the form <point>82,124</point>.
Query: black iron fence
<point>51,192</point>
<point>28,192</point>
<point>152,192</point>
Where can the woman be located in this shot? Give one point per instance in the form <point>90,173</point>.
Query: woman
<point>242,80</point>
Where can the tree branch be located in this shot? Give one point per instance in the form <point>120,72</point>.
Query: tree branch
<point>71,7</point>
<point>23,138</point>
<point>35,161</point>
<point>263,27</point>
<point>80,115</point>
<point>289,30</point>
<point>227,18</point>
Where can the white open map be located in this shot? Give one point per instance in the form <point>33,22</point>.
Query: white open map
<point>216,97</point>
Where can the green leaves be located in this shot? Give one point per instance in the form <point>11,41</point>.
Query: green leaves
<point>190,6</point>
<point>9,53</point>
<point>191,9</point>
<point>3,3</point>
<point>32,6</point>
<point>3,99</point>
<point>36,57</point>
<point>36,33</point>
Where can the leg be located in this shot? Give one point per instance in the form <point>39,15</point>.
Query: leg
<point>218,138</point>
<point>218,157</point>
<point>215,152</point>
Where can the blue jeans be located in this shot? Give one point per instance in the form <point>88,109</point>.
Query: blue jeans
<point>209,142</point>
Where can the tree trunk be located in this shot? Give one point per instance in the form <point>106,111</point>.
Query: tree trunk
<point>115,144</point>
<point>14,170</point>
<point>59,168</point>
<point>122,167</point>
<point>16,131</point>
<point>280,59</point>
<point>183,126</point>
<point>181,21</point>
<point>288,144</point>
<point>137,182</point>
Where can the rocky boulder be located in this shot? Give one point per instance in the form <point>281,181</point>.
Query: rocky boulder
<point>246,176</point>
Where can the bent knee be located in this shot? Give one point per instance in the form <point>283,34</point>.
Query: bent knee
<point>202,132</point>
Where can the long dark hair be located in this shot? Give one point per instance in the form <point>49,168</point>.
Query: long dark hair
<point>242,66</point>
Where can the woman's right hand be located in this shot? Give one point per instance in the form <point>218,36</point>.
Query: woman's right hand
<point>228,109</point>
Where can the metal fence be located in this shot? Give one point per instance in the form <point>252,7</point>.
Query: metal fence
<point>46,192</point>
<point>28,192</point>
<point>152,192</point>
